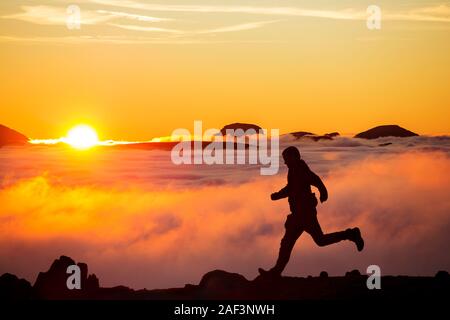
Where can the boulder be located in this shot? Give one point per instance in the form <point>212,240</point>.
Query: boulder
<point>52,284</point>
<point>13,288</point>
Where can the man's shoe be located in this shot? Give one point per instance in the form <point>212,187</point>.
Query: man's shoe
<point>355,236</point>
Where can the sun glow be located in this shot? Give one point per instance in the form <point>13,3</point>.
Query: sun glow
<point>82,137</point>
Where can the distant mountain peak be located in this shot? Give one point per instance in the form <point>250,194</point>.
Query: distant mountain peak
<point>239,125</point>
<point>11,137</point>
<point>391,130</point>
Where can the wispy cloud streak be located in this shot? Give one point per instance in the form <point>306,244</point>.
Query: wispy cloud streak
<point>239,27</point>
<point>145,28</point>
<point>346,14</point>
<point>438,13</point>
<point>138,17</point>
<point>51,15</point>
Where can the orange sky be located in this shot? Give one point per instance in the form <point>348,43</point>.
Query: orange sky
<point>320,70</point>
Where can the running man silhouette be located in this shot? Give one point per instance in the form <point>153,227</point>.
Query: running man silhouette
<point>303,216</point>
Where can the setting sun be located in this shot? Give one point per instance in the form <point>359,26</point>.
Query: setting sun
<point>82,137</point>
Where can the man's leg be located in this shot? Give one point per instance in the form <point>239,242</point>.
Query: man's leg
<point>292,233</point>
<point>322,239</point>
<point>286,246</point>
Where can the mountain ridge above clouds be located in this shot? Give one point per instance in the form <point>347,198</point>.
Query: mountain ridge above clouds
<point>372,133</point>
<point>9,136</point>
<point>392,130</point>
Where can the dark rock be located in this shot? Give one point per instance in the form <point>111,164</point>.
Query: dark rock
<point>53,283</point>
<point>189,286</point>
<point>324,137</point>
<point>237,125</point>
<point>385,131</point>
<point>353,273</point>
<point>84,270</point>
<point>13,288</point>
<point>92,283</point>
<point>11,137</point>
<point>219,284</point>
<point>442,276</point>
<point>332,134</point>
<point>115,293</point>
<point>221,280</point>
<point>301,134</point>
<point>323,274</point>
<point>309,135</point>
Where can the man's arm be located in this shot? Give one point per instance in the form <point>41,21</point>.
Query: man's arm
<point>283,193</point>
<point>317,182</point>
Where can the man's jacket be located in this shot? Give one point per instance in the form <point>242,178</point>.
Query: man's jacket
<point>298,189</point>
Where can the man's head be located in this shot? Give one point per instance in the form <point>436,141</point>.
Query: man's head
<point>291,156</point>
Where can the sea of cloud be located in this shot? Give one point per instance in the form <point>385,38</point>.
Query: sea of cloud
<point>138,220</point>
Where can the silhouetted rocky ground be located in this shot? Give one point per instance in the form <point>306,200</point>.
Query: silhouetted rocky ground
<point>223,285</point>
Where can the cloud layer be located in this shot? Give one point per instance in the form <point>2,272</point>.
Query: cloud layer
<point>138,221</point>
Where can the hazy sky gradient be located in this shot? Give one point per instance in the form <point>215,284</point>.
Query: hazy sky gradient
<point>137,70</point>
